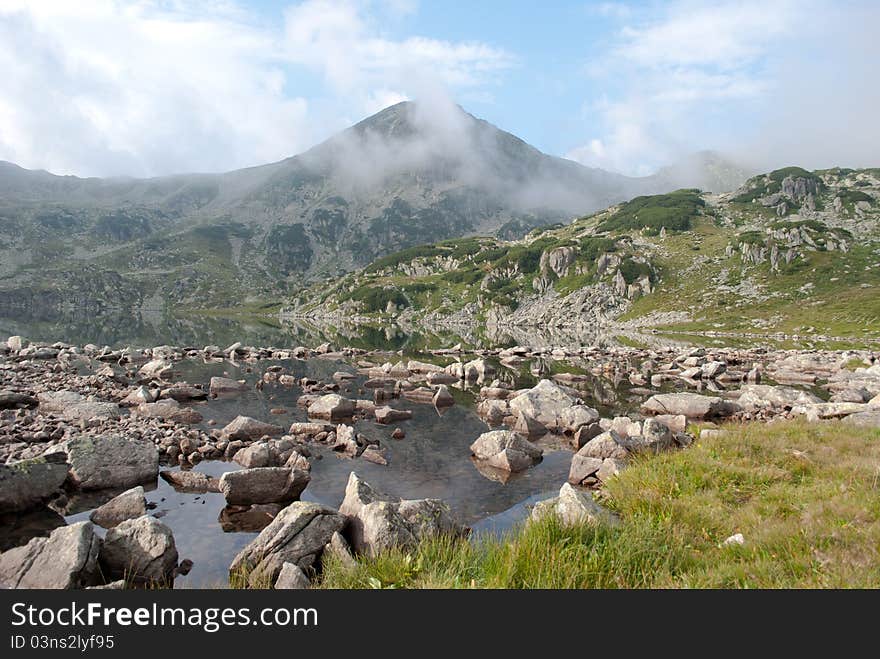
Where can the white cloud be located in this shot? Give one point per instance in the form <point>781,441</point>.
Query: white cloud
<point>770,82</point>
<point>145,87</point>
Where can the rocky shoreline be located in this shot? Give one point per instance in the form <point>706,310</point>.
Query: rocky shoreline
<point>77,419</point>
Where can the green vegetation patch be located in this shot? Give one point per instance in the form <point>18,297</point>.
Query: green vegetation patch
<point>673,212</point>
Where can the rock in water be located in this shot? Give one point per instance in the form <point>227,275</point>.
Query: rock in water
<point>332,407</point>
<point>263,485</point>
<point>505,449</point>
<point>128,505</point>
<point>546,402</point>
<point>225,385</point>
<point>110,461</point>
<point>379,522</point>
<point>67,559</point>
<point>27,483</point>
<point>245,427</point>
<point>191,481</point>
<point>139,550</point>
<point>297,535</point>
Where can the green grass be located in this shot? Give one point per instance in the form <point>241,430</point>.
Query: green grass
<point>805,497</point>
<point>673,212</point>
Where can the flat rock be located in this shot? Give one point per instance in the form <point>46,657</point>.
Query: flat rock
<point>191,481</point>
<point>263,485</point>
<point>245,427</point>
<point>693,406</point>
<point>110,461</point>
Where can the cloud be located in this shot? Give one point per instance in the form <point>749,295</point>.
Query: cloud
<point>731,76</point>
<point>147,87</point>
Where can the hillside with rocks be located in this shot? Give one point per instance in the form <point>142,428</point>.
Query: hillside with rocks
<point>409,175</point>
<point>791,252</point>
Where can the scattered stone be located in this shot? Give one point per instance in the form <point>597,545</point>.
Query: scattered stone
<point>128,505</point>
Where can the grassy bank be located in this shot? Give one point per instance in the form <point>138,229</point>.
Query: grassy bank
<point>805,497</point>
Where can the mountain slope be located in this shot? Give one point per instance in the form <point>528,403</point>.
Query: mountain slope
<point>790,251</point>
<point>405,176</point>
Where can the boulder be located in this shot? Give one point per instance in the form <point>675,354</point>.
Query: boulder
<point>191,481</point>
<point>379,522</point>
<point>609,469</point>
<point>128,505</point>
<point>88,410</point>
<point>55,402</point>
<point>245,427</point>
<point>110,461</point>
<point>757,396</point>
<point>292,577</point>
<point>27,483</point>
<point>868,419</point>
<point>443,397</point>
<point>606,445</point>
<point>692,406</point>
<point>169,410</point>
<point>386,414</point>
<point>297,535</point>
<point>573,507</point>
<point>546,402</point>
<point>263,485</point>
<point>583,468</point>
<point>506,449</point>
<point>67,559</point>
<point>575,417</point>
<point>332,407</point>
<point>140,550</point>
<point>182,392</point>
<point>220,385</point>
<point>255,456</point>
<point>156,368</point>
<point>13,399</point>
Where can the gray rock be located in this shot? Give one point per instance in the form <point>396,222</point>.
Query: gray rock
<point>332,407</point>
<point>379,522</point>
<point>13,399</point>
<point>191,481</point>
<point>546,402</point>
<point>506,449</point>
<point>443,397</point>
<point>582,468</point>
<point>220,385</point>
<point>868,418</point>
<point>573,507</point>
<point>67,559</point>
<point>606,445</point>
<point>110,461</point>
<point>128,505</point>
<point>263,485</point>
<point>245,427</point>
<point>292,577</point>
<point>27,483</point>
<point>57,401</point>
<point>139,550</point>
<point>609,469</point>
<point>254,456</point>
<point>693,406</point>
<point>169,410</point>
<point>297,535</point>
<point>386,414</point>
<point>339,548</point>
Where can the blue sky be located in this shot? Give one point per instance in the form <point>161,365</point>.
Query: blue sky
<point>149,87</point>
